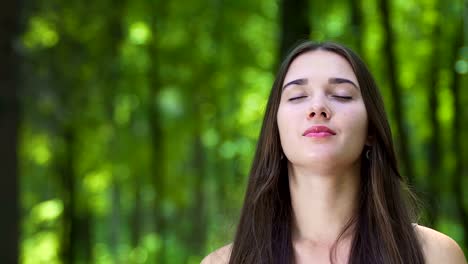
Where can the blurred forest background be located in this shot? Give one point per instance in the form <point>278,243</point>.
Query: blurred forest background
<point>127,128</point>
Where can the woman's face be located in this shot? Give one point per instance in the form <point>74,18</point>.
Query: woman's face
<point>322,119</point>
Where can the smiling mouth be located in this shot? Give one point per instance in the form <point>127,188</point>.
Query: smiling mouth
<point>319,132</point>
<point>319,135</point>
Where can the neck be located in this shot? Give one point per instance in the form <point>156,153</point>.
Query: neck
<point>323,203</point>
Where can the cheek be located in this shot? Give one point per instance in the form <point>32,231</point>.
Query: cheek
<point>286,121</point>
<point>358,122</point>
<point>281,120</point>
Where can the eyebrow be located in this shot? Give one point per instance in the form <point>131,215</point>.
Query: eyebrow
<point>341,80</point>
<point>301,81</point>
<point>335,80</point>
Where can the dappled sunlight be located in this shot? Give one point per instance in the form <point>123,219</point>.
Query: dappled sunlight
<point>138,120</point>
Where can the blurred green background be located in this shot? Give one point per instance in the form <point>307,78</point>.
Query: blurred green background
<point>128,127</point>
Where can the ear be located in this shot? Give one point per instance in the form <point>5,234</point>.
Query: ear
<point>370,137</point>
<point>370,140</point>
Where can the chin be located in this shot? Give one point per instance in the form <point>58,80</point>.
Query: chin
<point>315,159</point>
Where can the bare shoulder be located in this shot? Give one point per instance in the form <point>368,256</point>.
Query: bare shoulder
<point>219,256</point>
<point>439,248</point>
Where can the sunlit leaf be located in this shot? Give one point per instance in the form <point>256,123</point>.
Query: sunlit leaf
<point>47,211</point>
<point>139,33</point>
<point>40,34</point>
<point>461,66</point>
<point>38,149</point>
<point>41,248</point>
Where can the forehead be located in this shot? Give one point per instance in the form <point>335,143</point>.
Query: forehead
<point>319,65</point>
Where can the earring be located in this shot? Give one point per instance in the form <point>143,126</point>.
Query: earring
<point>368,153</point>
<point>282,156</point>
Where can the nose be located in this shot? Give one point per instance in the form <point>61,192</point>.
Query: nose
<point>319,111</point>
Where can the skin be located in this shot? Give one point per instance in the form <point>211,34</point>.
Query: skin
<point>324,171</point>
<point>437,247</point>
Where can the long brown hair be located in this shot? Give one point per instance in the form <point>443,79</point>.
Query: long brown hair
<point>383,226</point>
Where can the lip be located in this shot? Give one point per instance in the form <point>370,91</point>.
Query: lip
<point>319,131</point>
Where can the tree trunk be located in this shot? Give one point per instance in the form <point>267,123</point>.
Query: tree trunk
<point>9,123</point>
<point>135,223</point>
<point>67,172</point>
<point>76,233</point>
<point>400,136</point>
<point>198,214</point>
<point>460,166</point>
<point>157,162</point>
<point>157,171</point>
<point>295,25</point>
<point>114,221</point>
<point>113,76</point>
<point>356,26</point>
<point>434,146</point>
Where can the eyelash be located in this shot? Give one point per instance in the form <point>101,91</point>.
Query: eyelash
<point>344,98</point>
<point>297,98</point>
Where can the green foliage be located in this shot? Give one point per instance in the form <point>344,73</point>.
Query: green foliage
<point>140,118</point>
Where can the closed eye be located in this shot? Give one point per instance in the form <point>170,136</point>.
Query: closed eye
<point>344,98</point>
<point>297,98</point>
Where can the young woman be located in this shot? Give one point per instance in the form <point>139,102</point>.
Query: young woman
<point>324,185</point>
